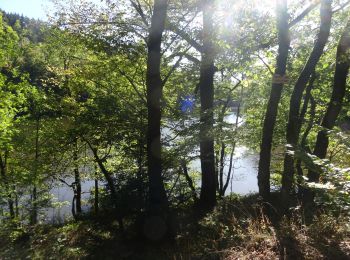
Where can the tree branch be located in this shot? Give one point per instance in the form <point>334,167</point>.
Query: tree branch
<point>266,65</point>
<point>341,7</point>
<point>133,85</point>
<point>304,13</point>
<point>185,36</point>
<point>139,10</point>
<point>171,71</point>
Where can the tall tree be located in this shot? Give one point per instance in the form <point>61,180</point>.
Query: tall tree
<point>336,102</point>
<point>294,120</point>
<point>278,81</point>
<point>77,181</point>
<point>206,89</point>
<point>157,194</point>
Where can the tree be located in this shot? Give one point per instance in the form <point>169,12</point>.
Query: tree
<point>335,104</point>
<point>278,80</point>
<point>157,195</point>
<point>294,124</point>
<point>206,91</point>
<point>14,90</point>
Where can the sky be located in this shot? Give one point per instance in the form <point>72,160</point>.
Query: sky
<point>30,8</point>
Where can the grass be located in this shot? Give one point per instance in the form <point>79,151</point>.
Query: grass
<point>237,229</point>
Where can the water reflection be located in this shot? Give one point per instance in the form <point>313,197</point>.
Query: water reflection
<point>243,178</point>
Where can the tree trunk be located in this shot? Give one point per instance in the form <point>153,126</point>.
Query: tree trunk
<point>16,204</point>
<point>307,99</point>
<point>157,194</point>
<point>77,180</point>
<point>221,169</point>
<point>221,161</point>
<point>337,98</point>
<point>140,163</point>
<point>189,180</point>
<point>73,206</point>
<point>303,143</point>
<point>206,88</point>
<point>294,124</point>
<point>228,177</point>
<point>96,193</point>
<point>111,186</point>
<point>275,96</point>
<point>110,181</point>
<point>34,211</point>
<point>3,171</point>
<point>107,175</point>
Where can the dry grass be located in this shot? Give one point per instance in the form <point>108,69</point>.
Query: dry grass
<point>237,229</point>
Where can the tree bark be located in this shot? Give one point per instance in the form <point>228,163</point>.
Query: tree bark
<point>308,98</point>
<point>96,207</point>
<point>3,172</point>
<point>110,183</point>
<point>294,124</point>
<point>189,179</point>
<point>221,161</point>
<point>140,163</point>
<point>77,180</point>
<point>34,210</point>
<point>275,96</point>
<point>157,194</point>
<point>106,174</point>
<point>206,87</point>
<point>228,177</point>
<point>337,98</point>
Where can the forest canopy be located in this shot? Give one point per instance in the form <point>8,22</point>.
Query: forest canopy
<point>128,121</point>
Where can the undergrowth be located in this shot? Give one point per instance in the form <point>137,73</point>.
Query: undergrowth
<point>236,229</point>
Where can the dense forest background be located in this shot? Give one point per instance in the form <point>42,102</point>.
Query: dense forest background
<point>127,95</point>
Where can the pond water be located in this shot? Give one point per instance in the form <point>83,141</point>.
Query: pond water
<point>244,173</point>
<point>62,199</point>
<point>243,181</point>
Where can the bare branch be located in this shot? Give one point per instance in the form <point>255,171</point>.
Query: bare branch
<point>304,13</point>
<point>266,65</point>
<point>133,85</point>
<point>184,36</point>
<point>341,7</point>
<point>171,71</point>
<point>139,10</point>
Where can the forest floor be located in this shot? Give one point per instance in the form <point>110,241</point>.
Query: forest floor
<point>237,229</point>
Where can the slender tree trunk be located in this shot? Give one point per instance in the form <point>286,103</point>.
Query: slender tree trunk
<point>221,169</point>
<point>140,163</point>
<point>73,206</point>
<point>34,213</point>
<point>206,88</point>
<point>77,180</point>
<point>106,174</point>
<point>110,182</point>
<point>228,177</point>
<point>337,98</point>
<point>307,99</point>
<point>11,207</point>
<point>275,96</point>
<point>16,204</point>
<point>6,184</point>
<point>220,153</point>
<point>157,194</point>
<point>221,161</point>
<point>189,180</point>
<point>96,208</point>
<point>303,143</point>
<point>294,124</point>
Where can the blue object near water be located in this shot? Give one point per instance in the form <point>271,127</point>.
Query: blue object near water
<point>187,104</point>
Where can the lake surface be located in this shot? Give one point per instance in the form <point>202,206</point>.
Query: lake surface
<point>243,180</point>
<point>244,173</point>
